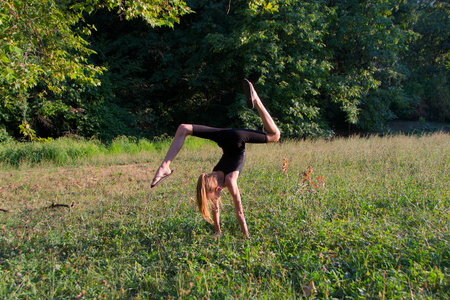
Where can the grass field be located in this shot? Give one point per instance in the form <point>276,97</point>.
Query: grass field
<point>370,221</point>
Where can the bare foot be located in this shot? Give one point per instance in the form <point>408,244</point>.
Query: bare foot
<point>161,174</point>
<point>249,93</point>
<point>254,94</point>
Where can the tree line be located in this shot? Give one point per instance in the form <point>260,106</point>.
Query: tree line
<point>139,68</point>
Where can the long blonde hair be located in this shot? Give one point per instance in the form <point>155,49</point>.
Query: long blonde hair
<point>206,183</point>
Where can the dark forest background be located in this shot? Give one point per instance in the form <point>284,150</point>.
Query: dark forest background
<point>321,67</point>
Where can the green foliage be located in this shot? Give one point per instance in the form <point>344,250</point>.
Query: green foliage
<point>43,52</point>
<point>200,67</point>
<point>428,59</point>
<point>368,43</point>
<point>4,136</point>
<point>315,64</point>
<point>155,13</point>
<point>38,45</point>
<point>286,49</point>
<point>97,69</point>
<point>29,133</point>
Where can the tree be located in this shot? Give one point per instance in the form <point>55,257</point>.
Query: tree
<point>429,61</point>
<point>277,44</point>
<point>368,43</point>
<point>317,63</point>
<point>44,52</point>
<point>320,66</point>
<point>282,43</point>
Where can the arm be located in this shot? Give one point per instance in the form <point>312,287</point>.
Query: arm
<point>216,217</point>
<point>231,182</point>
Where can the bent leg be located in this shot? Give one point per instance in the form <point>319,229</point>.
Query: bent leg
<point>273,133</point>
<point>177,143</point>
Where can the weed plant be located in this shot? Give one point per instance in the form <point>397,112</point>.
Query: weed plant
<point>369,219</point>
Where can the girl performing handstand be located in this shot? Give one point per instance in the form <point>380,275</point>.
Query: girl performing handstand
<point>226,172</point>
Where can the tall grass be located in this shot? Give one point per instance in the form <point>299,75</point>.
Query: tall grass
<point>370,222</point>
<point>66,151</point>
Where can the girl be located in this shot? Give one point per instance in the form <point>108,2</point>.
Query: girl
<point>226,172</point>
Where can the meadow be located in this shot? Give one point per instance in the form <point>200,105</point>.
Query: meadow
<point>354,218</point>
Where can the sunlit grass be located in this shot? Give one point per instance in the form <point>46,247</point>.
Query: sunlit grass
<point>370,221</point>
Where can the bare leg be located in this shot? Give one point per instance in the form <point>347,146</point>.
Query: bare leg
<point>273,133</point>
<point>177,143</point>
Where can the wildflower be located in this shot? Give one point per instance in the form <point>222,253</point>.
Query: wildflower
<point>284,168</point>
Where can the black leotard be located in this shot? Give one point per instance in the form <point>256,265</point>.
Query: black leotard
<point>232,142</point>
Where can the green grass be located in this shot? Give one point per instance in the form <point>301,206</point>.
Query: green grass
<point>73,152</point>
<point>378,228</point>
